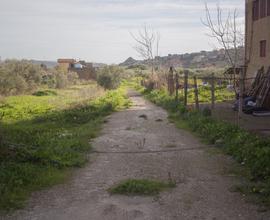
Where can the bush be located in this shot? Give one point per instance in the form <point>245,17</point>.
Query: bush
<point>109,77</point>
<point>18,77</point>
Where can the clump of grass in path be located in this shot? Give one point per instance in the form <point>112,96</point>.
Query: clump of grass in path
<point>141,187</point>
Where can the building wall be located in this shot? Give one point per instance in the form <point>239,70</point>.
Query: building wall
<point>65,66</point>
<point>256,31</point>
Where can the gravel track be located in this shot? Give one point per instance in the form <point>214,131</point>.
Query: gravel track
<point>141,143</point>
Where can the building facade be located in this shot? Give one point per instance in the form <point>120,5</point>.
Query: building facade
<point>84,70</point>
<point>257,51</point>
<point>66,63</point>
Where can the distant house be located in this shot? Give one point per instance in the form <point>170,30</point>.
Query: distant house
<point>84,70</point>
<point>66,63</point>
<point>257,36</point>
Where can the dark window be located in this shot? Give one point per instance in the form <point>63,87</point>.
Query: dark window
<point>263,48</point>
<point>268,7</point>
<point>256,10</point>
<point>262,8</point>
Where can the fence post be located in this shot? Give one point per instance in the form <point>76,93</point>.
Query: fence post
<point>185,87</point>
<point>171,82</point>
<point>213,91</point>
<point>241,95</point>
<point>196,93</point>
<point>176,87</point>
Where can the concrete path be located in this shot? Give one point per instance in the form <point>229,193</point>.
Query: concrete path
<point>141,143</point>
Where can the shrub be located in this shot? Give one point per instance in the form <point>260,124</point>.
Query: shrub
<point>109,77</point>
<point>17,77</point>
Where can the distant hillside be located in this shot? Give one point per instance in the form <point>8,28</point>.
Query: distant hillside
<point>203,59</point>
<point>49,64</point>
<point>52,64</point>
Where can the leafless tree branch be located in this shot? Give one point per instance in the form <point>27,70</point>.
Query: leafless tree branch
<point>147,44</point>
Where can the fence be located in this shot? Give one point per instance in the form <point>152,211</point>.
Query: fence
<point>193,90</point>
<point>210,89</point>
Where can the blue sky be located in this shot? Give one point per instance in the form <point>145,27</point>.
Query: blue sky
<point>99,30</point>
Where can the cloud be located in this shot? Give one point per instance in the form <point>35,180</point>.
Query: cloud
<point>91,28</point>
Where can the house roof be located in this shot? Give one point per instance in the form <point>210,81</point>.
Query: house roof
<point>66,61</point>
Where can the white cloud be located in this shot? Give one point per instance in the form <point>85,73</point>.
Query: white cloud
<point>98,30</point>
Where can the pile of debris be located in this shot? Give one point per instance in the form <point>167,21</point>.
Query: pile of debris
<point>259,93</point>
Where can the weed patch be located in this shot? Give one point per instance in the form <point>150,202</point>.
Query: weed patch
<point>143,116</point>
<point>45,93</point>
<point>142,187</point>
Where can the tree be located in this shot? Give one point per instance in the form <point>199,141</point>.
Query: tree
<point>227,32</point>
<point>147,45</point>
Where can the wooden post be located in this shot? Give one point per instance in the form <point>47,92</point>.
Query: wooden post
<point>176,87</point>
<point>171,82</point>
<point>213,91</point>
<point>241,95</point>
<point>196,93</point>
<point>186,87</point>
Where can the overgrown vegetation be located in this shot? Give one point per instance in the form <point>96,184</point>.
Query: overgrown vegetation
<point>20,77</point>
<point>251,151</point>
<point>43,135</point>
<point>221,94</point>
<point>109,77</point>
<point>141,187</point>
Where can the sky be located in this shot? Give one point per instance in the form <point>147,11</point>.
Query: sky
<point>99,30</point>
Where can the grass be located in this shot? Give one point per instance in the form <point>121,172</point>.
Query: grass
<point>251,151</point>
<point>142,187</point>
<point>45,93</point>
<point>42,137</point>
<point>221,94</point>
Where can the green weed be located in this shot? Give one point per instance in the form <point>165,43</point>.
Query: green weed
<point>141,187</point>
<point>45,93</point>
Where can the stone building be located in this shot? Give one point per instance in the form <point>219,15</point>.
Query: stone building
<point>66,63</point>
<point>84,70</point>
<point>257,36</point>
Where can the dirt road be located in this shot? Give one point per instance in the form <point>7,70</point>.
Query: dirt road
<point>141,143</point>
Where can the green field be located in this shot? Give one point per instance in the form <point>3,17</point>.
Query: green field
<point>44,134</point>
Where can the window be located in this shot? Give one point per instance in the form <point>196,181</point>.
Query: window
<point>262,8</point>
<point>263,48</point>
<point>256,10</point>
<point>268,7</point>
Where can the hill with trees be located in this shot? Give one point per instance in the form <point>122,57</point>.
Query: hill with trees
<point>202,59</point>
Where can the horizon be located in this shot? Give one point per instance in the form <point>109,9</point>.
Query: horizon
<point>99,31</point>
<point>139,59</point>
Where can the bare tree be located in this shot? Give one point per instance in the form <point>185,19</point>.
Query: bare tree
<point>228,33</point>
<point>147,45</point>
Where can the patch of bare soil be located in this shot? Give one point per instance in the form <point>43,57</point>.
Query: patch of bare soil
<point>132,147</point>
